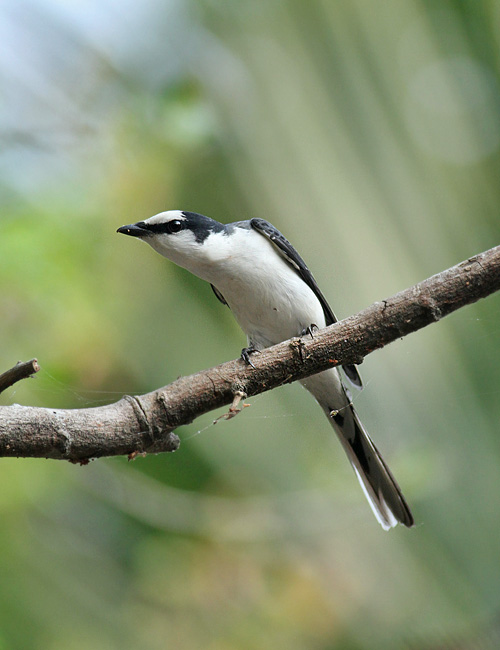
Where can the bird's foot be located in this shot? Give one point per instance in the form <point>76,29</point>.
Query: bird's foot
<point>309,330</point>
<point>245,355</point>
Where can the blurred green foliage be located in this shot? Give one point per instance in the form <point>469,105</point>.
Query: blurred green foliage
<point>369,133</point>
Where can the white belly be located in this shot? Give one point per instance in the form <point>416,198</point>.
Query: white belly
<point>278,315</point>
<point>270,301</point>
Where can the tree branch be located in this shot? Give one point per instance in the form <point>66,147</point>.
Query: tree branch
<point>21,370</point>
<point>145,423</point>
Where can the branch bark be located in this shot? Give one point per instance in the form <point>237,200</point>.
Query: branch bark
<point>145,423</point>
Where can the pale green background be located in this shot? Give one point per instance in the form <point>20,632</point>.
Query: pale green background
<point>369,133</point>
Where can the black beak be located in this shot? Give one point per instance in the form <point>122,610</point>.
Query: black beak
<point>138,229</point>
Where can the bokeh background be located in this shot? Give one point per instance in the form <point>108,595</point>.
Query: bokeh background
<point>369,133</point>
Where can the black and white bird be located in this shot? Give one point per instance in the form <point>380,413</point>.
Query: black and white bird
<point>256,272</point>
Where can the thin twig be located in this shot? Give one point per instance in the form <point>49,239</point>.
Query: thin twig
<point>234,409</point>
<point>21,370</point>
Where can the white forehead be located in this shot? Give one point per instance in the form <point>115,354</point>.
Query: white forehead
<point>163,217</point>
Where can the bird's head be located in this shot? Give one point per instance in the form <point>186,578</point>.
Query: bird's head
<point>186,238</point>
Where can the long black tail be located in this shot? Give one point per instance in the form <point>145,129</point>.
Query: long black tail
<point>379,485</point>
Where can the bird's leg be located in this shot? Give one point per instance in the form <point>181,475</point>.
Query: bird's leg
<point>309,330</point>
<point>246,352</point>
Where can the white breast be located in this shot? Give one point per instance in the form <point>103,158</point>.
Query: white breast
<point>266,295</point>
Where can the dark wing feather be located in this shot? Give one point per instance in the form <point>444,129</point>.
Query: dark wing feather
<point>287,251</point>
<point>219,295</point>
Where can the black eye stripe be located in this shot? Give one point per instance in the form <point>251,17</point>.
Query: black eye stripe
<point>199,226</point>
<point>168,227</point>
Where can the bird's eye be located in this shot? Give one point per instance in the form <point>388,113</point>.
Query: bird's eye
<point>175,225</point>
